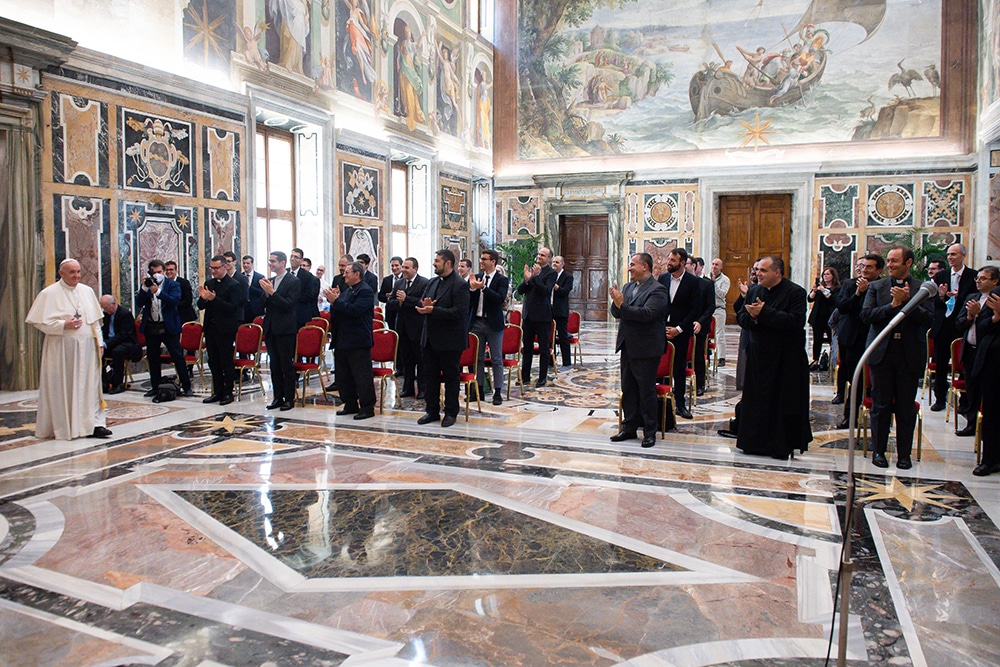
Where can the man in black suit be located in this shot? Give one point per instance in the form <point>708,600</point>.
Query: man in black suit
<point>987,280</point>
<point>157,300</point>
<point>369,277</point>
<point>489,289</point>
<point>696,265</point>
<point>898,362</point>
<point>280,298</point>
<point>640,308</point>
<point>560,308</point>
<point>185,307</point>
<point>408,291</point>
<point>338,280</point>
<point>306,306</point>
<point>987,370</point>
<point>351,316</point>
<point>536,315</point>
<point>254,294</point>
<point>686,300</point>
<point>955,286</point>
<point>120,343</point>
<point>385,291</point>
<point>852,333</point>
<point>221,299</point>
<point>445,307</point>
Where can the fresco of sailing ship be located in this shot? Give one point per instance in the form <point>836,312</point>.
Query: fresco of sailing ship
<point>774,78</point>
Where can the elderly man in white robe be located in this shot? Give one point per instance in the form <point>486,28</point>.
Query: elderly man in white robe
<point>69,391</point>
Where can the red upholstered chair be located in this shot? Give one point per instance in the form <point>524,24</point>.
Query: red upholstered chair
<point>573,335</point>
<point>712,350</point>
<point>249,340</point>
<point>511,350</point>
<point>957,384</point>
<point>385,345</point>
<point>865,411</point>
<point>664,388</point>
<point>321,322</point>
<point>192,339</point>
<point>378,325</point>
<point>325,314</point>
<point>259,321</point>
<point>689,372</point>
<point>470,359</point>
<point>537,349</point>
<point>309,346</point>
<point>514,317</point>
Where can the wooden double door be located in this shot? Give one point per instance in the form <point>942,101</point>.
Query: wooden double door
<point>751,226</point>
<point>584,248</point>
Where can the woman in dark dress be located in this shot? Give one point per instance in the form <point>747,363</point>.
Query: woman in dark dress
<point>822,299</point>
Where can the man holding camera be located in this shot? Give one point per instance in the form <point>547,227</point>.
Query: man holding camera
<point>158,299</point>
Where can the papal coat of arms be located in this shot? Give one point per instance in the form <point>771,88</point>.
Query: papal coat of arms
<point>159,150</point>
<point>360,191</point>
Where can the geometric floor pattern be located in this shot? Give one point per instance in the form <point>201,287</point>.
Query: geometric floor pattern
<point>201,535</point>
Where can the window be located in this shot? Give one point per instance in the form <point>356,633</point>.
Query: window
<point>481,17</point>
<point>275,192</point>
<point>400,213</point>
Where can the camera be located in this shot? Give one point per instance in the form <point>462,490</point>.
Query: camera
<point>148,282</point>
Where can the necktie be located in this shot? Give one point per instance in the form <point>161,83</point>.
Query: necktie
<point>408,282</point>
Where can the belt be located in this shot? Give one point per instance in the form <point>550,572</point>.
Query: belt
<point>897,336</point>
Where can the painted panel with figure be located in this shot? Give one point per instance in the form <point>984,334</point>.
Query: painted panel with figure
<point>448,112</point>
<point>356,30</point>
<point>597,77</point>
<point>409,74</point>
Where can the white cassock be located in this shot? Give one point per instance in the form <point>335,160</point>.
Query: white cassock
<point>69,391</point>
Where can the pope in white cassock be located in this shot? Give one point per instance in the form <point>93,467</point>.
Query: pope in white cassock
<point>69,391</point>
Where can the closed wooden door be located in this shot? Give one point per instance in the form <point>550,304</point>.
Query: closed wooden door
<point>751,226</point>
<point>584,243</point>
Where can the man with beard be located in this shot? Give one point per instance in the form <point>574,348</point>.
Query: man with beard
<point>774,414</point>
<point>408,291</point>
<point>685,305</point>
<point>853,333</point>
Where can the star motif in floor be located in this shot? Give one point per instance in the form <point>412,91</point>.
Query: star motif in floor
<point>903,494</point>
<point>227,424</point>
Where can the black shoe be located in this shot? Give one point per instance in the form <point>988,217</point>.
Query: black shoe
<point>480,392</point>
<point>984,469</point>
<point>331,387</point>
<point>226,400</point>
<point>420,396</point>
<point>347,411</point>
<point>275,404</point>
<point>843,423</point>
<point>966,432</point>
<point>497,398</point>
<point>186,393</point>
<point>287,405</point>
<point>100,432</point>
<point>685,413</point>
<point>648,441</point>
<point>449,420</point>
<point>814,366</point>
<point>700,391</point>
<point>878,460</point>
<point>149,394</point>
<point>541,382</point>
<point>406,394</point>
<point>117,389</point>
<point>364,414</point>
<point>399,374</point>
<point>904,463</point>
<point>938,406</point>
<point>428,418</point>
<point>622,436</point>
<point>211,399</point>
<point>837,400</point>
<point>722,362</point>
<point>726,433</point>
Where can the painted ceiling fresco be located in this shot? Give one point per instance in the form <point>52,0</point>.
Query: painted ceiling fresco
<point>599,77</point>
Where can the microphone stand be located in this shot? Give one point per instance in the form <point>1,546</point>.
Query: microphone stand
<point>846,563</point>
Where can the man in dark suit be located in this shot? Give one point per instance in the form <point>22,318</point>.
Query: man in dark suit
<point>686,301</point>
<point>445,307</point>
<point>254,294</point>
<point>987,280</point>
<point>640,308</point>
<point>536,315</point>
<point>221,299</point>
<point>120,343</point>
<point>157,299</point>
<point>407,293</point>
<point>898,362</point>
<point>306,306</point>
<point>955,286</point>
<point>352,310</point>
<point>987,370</point>
<point>696,265</point>
<point>560,308</point>
<point>369,277</point>
<point>386,289</point>
<point>852,333</point>
<point>185,307</point>
<point>280,298</point>
<point>489,289</point>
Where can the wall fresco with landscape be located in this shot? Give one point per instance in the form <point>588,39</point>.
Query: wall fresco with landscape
<point>599,77</point>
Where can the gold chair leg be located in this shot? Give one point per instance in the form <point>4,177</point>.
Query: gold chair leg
<point>381,395</point>
<point>920,434</point>
<point>239,385</point>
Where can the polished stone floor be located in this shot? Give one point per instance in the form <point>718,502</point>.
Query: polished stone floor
<point>209,536</point>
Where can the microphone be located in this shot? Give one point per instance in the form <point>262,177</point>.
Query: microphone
<point>927,290</point>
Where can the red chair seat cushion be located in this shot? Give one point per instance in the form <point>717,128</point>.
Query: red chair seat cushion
<point>508,363</point>
<point>467,377</point>
<point>867,403</point>
<point>958,384</point>
<point>931,365</point>
<point>664,390</point>
<point>379,372</point>
<point>573,339</point>
<point>244,363</point>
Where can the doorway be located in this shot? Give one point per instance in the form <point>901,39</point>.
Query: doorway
<point>584,243</point>
<point>751,226</point>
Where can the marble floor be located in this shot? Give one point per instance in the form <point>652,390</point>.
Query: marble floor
<point>210,536</point>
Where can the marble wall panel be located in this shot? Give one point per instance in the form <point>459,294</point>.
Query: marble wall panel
<point>890,204</point>
<point>83,232</point>
<point>455,203</point>
<point>220,164</point>
<point>359,239</point>
<point>837,251</point>
<point>660,217</point>
<point>222,232</point>
<point>993,249</point>
<point>155,232</point>
<point>839,204</point>
<point>524,215</point>
<point>361,190</point>
<point>943,203</point>
<point>79,141</point>
<point>156,153</point>
<point>660,249</point>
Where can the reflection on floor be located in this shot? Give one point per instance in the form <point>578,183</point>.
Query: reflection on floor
<point>202,535</point>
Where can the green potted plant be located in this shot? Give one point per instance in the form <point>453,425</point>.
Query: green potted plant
<point>515,255</point>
